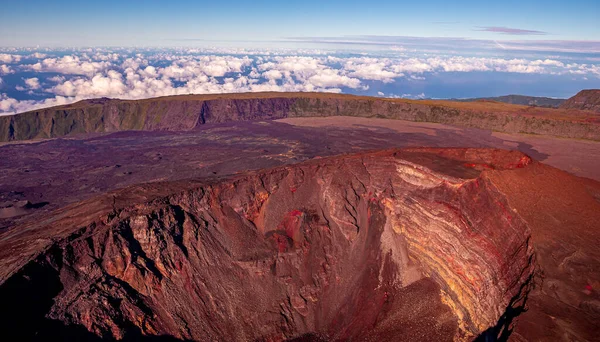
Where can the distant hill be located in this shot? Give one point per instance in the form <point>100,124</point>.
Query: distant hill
<point>588,99</point>
<point>521,100</point>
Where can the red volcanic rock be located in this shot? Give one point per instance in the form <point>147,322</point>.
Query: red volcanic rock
<point>391,245</point>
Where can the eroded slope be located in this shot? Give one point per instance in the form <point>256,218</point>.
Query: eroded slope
<point>402,244</point>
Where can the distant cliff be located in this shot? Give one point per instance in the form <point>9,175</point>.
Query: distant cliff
<point>585,100</point>
<point>521,100</point>
<point>180,113</point>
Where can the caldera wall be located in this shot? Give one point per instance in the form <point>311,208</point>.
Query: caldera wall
<point>188,112</point>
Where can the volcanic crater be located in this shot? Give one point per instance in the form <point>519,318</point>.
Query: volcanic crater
<point>107,233</point>
<point>404,244</point>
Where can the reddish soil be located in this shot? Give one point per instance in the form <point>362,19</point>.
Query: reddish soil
<point>563,212</point>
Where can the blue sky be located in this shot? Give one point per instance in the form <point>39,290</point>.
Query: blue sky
<point>135,23</point>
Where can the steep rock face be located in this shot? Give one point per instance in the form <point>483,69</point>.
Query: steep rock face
<point>187,112</point>
<point>588,99</point>
<point>403,244</point>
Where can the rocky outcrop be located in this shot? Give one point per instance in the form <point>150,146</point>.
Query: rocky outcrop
<point>180,113</point>
<point>404,244</point>
<point>588,99</point>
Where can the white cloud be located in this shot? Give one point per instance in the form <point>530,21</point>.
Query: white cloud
<point>458,64</point>
<point>32,83</point>
<point>523,69</point>
<point>38,55</point>
<point>332,78</point>
<point>133,63</point>
<point>56,79</point>
<point>414,97</point>
<point>5,69</point>
<point>106,57</point>
<point>186,68</point>
<point>310,71</point>
<point>273,74</point>
<point>301,68</point>
<point>8,58</point>
<point>70,64</point>
<point>254,73</point>
<point>548,62</point>
<point>10,105</point>
<point>7,105</point>
<point>411,65</point>
<point>149,71</point>
<point>110,84</point>
<point>372,69</point>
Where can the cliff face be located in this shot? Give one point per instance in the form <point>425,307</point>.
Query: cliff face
<point>584,100</point>
<point>402,244</point>
<point>187,112</point>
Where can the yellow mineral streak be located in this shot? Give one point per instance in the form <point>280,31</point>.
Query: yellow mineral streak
<point>434,241</point>
<point>466,299</point>
<point>415,176</point>
<point>463,331</point>
<point>262,196</point>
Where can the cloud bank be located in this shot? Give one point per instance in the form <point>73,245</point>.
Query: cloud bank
<point>65,77</point>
